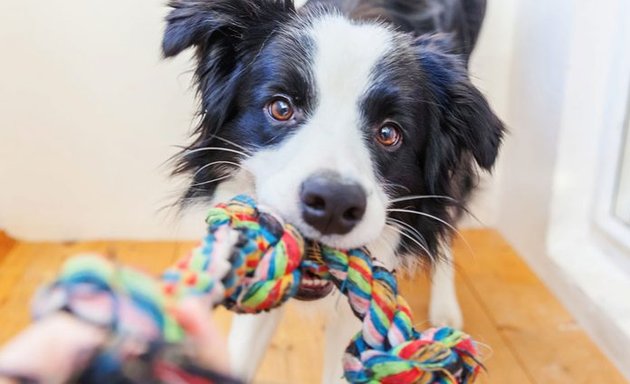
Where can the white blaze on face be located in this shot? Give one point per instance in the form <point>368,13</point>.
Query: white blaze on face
<point>333,137</point>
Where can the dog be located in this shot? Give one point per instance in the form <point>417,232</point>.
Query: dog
<point>355,120</point>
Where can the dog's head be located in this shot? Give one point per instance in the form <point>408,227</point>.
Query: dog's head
<point>345,128</point>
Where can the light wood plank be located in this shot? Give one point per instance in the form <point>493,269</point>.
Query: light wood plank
<point>23,270</point>
<point>501,365</point>
<point>541,333</point>
<point>151,257</point>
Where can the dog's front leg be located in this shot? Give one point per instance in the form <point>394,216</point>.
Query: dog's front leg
<point>249,339</point>
<point>341,326</point>
<point>444,309</point>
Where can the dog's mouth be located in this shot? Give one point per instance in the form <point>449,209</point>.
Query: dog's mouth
<point>313,288</point>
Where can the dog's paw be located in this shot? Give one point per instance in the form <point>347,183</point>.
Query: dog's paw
<point>445,312</point>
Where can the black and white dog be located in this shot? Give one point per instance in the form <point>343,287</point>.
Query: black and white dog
<point>356,120</point>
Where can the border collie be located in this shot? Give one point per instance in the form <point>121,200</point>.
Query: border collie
<point>356,120</point>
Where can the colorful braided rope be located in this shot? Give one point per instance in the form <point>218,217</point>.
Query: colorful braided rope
<point>388,349</point>
<point>251,261</point>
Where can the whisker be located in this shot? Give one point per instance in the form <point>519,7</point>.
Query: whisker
<point>400,186</point>
<point>271,140</point>
<point>459,234</point>
<point>422,214</point>
<point>405,234</point>
<point>202,149</point>
<point>387,244</point>
<point>406,249</point>
<point>400,222</point>
<point>401,231</point>
<point>246,150</point>
<point>421,197</point>
<point>211,181</point>
<point>219,162</point>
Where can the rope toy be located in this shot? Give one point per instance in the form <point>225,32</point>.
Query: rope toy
<point>251,261</point>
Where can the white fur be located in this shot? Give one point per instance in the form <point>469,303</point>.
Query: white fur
<point>341,326</point>
<point>249,339</point>
<point>332,138</point>
<point>241,182</point>
<point>444,309</point>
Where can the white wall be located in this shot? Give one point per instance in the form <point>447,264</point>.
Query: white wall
<point>491,71</point>
<point>89,113</point>
<point>535,106</point>
<point>622,205</point>
<point>569,86</point>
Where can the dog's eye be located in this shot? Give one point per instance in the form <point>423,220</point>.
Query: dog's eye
<point>389,135</point>
<point>280,108</point>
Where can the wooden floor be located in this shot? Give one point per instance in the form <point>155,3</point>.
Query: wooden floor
<point>527,336</point>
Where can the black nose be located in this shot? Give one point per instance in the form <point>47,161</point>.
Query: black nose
<point>332,205</point>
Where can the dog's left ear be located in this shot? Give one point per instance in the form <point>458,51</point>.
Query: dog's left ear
<point>465,118</point>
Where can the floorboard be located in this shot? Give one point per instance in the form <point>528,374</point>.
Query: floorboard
<point>525,334</point>
<point>540,333</point>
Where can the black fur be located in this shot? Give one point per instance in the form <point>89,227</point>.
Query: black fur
<point>449,127</point>
<point>461,18</point>
<point>249,50</point>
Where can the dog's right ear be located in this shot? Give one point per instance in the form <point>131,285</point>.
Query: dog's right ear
<point>226,35</point>
<point>204,23</point>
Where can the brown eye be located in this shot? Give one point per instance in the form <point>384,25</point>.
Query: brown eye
<point>389,135</point>
<point>280,109</point>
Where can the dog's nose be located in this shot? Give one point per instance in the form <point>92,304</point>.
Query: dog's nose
<point>332,205</point>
